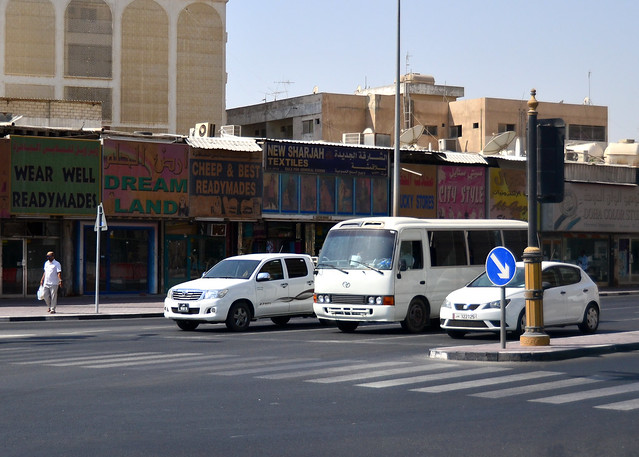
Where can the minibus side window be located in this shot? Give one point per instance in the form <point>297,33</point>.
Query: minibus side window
<point>447,248</point>
<point>411,252</point>
<point>480,243</point>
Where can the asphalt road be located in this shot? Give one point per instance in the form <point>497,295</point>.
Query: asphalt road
<point>141,387</point>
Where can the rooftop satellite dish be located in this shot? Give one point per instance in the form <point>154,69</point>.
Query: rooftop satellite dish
<point>411,135</point>
<point>499,143</point>
<point>315,89</point>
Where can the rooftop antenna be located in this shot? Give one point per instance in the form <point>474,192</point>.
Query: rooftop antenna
<point>285,83</point>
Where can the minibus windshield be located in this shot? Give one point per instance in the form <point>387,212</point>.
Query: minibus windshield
<point>358,249</point>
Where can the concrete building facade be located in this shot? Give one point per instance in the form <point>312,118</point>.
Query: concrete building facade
<point>155,65</point>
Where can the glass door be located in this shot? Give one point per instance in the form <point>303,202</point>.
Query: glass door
<point>13,268</point>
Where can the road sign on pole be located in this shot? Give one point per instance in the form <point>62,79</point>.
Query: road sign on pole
<point>500,269</point>
<point>500,266</point>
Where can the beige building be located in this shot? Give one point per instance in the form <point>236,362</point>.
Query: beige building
<point>156,65</point>
<point>450,123</point>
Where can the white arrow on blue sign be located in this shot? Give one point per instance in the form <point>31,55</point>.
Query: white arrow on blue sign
<point>500,266</point>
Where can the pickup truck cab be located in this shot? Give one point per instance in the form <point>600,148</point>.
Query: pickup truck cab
<point>243,288</point>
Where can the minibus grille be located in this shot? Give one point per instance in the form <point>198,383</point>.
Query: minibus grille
<point>344,299</point>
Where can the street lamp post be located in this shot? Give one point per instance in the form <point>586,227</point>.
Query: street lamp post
<point>397,114</point>
<point>534,334</point>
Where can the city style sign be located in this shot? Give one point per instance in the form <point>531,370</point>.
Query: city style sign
<point>52,176</point>
<point>290,157</point>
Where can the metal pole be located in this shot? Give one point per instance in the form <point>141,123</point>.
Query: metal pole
<point>502,326</point>
<point>98,232</point>
<point>397,114</point>
<point>534,334</point>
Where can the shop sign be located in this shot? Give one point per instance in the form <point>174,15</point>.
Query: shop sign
<point>52,176</point>
<point>461,192</point>
<point>145,179</point>
<point>418,190</point>
<point>593,208</point>
<point>225,185</point>
<point>326,159</point>
<point>507,198</point>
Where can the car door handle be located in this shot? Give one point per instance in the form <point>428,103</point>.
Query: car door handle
<point>422,282</point>
<point>585,291</point>
<point>563,292</point>
<point>284,284</point>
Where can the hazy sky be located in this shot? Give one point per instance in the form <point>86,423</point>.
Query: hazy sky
<point>566,49</point>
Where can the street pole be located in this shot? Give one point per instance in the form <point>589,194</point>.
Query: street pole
<point>397,114</point>
<point>534,334</point>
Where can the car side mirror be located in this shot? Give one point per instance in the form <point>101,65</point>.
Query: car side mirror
<point>546,285</point>
<point>264,276</point>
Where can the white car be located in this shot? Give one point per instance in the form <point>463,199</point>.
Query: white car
<point>570,297</point>
<point>244,288</point>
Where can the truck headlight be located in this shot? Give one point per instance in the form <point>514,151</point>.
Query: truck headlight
<point>215,293</point>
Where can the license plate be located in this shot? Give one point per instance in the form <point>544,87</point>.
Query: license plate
<point>465,316</point>
<point>183,308</point>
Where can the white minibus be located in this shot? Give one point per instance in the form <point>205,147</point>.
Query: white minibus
<point>400,269</point>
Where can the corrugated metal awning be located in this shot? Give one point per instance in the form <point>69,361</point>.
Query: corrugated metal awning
<point>461,157</point>
<point>237,143</point>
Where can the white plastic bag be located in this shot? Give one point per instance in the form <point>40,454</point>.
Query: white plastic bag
<point>40,293</point>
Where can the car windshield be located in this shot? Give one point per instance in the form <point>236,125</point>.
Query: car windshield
<point>358,249</point>
<point>483,281</point>
<point>234,269</point>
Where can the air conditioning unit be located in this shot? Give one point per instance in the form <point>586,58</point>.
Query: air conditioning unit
<point>231,130</point>
<point>204,129</point>
<point>447,144</point>
<point>353,138</point>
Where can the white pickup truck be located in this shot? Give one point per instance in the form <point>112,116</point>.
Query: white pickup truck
<point>244,288</point>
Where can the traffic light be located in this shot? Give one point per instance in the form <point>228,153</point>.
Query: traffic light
<point>550,160</point>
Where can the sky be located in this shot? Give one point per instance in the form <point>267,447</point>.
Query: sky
<point>566,49</point>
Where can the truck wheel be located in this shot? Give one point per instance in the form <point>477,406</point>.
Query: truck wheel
<point>239,317</point>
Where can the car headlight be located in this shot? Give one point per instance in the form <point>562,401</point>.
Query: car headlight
<point>215,293</point>
<point>447,304</point>
<point>495,304</point>
<point>169,294</point>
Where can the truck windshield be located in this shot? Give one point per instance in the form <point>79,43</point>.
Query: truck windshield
<point>234,269</point>
<point>358,249</point>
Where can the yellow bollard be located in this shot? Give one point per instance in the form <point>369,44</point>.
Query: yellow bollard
<point>534,334</point>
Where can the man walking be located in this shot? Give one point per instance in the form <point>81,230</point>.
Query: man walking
<point>51,280</point>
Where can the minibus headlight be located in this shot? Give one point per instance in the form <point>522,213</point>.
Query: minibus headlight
<point>375,300</point>
<point>319,298</point>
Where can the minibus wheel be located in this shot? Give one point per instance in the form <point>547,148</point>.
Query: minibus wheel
<point>416,317</point>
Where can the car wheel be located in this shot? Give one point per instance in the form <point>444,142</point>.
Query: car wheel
<point>280,320</point>
<point>416,317</point>
<point>347,326</point>
<point>187,325</point>
<point>591,319</point>
<point>456,334</point>
<point>521,323</point>
<point>239,317</point>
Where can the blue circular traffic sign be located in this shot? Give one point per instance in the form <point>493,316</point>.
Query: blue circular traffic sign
<point>500,266</point>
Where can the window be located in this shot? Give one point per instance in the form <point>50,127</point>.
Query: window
<point>480,243</point>
<point>455,131</point>
<point>307,127</point>
<point>296,268</point>
<point>475,125</point>
<point>430,130</point>
<point>586,132</point>
<point>501,128</point>
<point>274,268</point>
<point>516,241</point>
<point>569,275</point>
<point>550,278</point>
<point>447,248</point>
<point>411,253</point>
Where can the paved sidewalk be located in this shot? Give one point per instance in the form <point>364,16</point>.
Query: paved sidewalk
<point>82,307</point>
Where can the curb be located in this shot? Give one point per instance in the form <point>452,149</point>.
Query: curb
<point>81,317</point>
<point>542,355</point>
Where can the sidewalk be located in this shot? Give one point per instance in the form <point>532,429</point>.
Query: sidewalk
<point>82,307</point>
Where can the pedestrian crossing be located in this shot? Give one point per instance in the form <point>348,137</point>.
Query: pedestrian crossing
<point>416,375</point>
